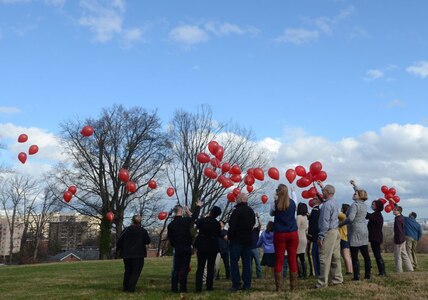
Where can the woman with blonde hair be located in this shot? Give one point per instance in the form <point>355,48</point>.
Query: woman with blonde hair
<point>344,243</point>
<point>358,235</point>
<point>285,237</point>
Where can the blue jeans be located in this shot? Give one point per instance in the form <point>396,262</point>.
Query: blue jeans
<point>316,258</point>
<point>255,255</point>
<point>244,252</point>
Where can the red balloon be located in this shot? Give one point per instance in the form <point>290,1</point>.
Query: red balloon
<point>220,153</point>
<point>322,175</point>
<point>22,138</point>
<point>213,147</point>
<point>213,174</point>
<point>67,196</point>
<point>384,189</point>
<point>249,180</point>
<point>221,178</point>
<point>309,177</point>
<point>225,167</point>
<point>87,131</point>
<point>235,170</point>
<point>250,171</point>
<point>33,149</point>
<point>202,158</point>
<point>312,192</point>
<point>215,162</point>
<point>231,197</point>
<point>315,168</point>
<point>162,215</point>
<point>131,186</point>
<point>235,178</point>
<point>236,191</point>
<point>389,208</point>
<point>250,188</point>
<point>311,203</point>
<point>264,199</point>
<point>300,170</point>
<point>152,184</point>
<point>299,183</point>
<point>305,181</point>
<point>110,216</point>
<point>305,195</point>
<point>273,173</point>
<point>22,157</point>
<point>388,196</point>
<point>259,174</point>
<point>124,175</point>
<point>290,175</point>
<point>392,191</point>
<point>72,189</point>
<point>208,172</point>
<point>227,183</point>
<point>383,200</point>
<point>396,199</point>
<point>170,191</point>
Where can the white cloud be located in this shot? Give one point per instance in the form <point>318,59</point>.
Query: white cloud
<point>195,34</point>
<point>321,26</point>
<point>106,21</point>
<point>188,35</point>
<point>298,36</point>
<point>419,69</point>
<point>373,75</point>
<point>395,156</point>
<point>396,103</point>
<point>9,110</point>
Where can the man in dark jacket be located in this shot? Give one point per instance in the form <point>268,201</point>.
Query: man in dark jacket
<point>181,240</point>
<point>400,253</point>
<point>241,224</point>
<point>132,246</point>
<point>206,244</point>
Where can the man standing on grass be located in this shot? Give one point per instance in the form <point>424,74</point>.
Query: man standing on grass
<point>413,232</point>
<point>132,246</point>
<point>400,252</point>
<point>181,240</point>
<point>329,239</point>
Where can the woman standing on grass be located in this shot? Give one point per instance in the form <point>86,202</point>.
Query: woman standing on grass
<point>358,234</point>
<point>302,225</point>
<point>344,243</point>
<point>285,235</point>
<point>375,226</point>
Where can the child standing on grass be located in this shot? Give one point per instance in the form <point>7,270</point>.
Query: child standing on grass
<point>266,240</point>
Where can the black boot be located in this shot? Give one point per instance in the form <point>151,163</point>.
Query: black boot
<point>381,267</point>
<point>367,269</point>
<point>356,270</point>
<point>304,269</point>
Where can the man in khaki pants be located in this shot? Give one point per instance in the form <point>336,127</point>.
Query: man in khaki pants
<point>329,239</point>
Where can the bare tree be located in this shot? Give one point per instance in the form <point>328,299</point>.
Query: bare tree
<point>190,135</point>
<point>123,138</point>
<point>41,215</point>
<point>18,196</point>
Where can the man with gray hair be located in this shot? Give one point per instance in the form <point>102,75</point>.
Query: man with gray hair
<point>329,239</point>
<point>241,224</point>
<point>132,246</point>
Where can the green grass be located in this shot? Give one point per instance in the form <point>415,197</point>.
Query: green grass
<point>103,279</point>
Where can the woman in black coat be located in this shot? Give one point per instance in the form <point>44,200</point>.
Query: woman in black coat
<point>207,247</point>
<point>375,226</point>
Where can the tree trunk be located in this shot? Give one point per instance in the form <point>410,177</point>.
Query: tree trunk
<point>105,233</point>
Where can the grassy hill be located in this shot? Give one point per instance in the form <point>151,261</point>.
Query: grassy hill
<point>103,280</point>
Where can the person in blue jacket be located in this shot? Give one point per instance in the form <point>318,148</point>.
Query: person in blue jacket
<point>413,232</point>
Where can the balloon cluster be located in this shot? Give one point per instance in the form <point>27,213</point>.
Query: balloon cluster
<point>69,193</point>
<point>390,196</point>
<point>33,149</point>
<point>307,178</point>
<point>124,176</point>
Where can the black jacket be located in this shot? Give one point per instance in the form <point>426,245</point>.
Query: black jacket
<point>132,242</point>
<point>209,232</point>
<point>222,243</point>
<point>179,232</point>
<point>375,227</point>
<point>241,224</point>
<point>313,228</point>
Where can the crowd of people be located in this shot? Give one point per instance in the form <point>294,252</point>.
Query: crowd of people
<point>323,237</point>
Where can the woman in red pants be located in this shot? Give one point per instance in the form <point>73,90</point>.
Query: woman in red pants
<point>285,235</point>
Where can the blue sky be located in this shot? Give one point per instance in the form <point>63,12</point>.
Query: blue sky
<point>295,72</point>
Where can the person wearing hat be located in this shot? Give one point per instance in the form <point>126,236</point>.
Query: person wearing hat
<point>207,247</point>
